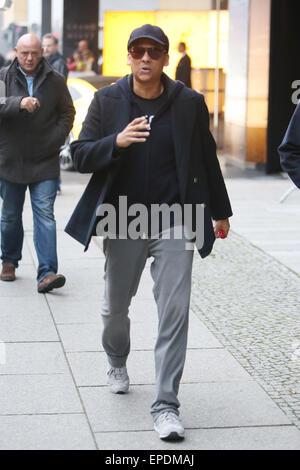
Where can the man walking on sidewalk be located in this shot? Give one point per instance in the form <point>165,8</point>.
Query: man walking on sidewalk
<point>36,116</point>
<point>147,138</point>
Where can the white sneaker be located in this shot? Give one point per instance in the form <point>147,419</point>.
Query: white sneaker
<point>169,427</point>
<point>118,380</point>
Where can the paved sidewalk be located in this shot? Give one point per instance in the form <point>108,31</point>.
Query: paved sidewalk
<point>52,378</point>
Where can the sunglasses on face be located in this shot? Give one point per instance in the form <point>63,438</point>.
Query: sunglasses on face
<point>138,52</point>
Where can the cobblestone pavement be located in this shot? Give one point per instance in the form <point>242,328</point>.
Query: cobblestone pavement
<point>250,302</point>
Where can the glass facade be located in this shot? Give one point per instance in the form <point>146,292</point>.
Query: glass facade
<point>246,116</point>
<point>203,25</point>
<point>238,50</point>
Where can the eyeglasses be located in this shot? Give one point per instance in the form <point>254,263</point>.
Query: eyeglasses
<point>138,52</point>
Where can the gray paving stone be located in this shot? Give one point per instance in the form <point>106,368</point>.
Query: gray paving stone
<point>199,335</point>
<point>72,292</point>
<point>201,366</point>
<point>203,406</point>
<point>76,290</point>
<point>230,404</point>
<point>26,322</point>
<point>37,394</point>
<point>86,278</point>
<point>96,263</point>
<point>25,283</point>
<point>42,432</point>
<point>23,305</point>
<point>261,325</point>
<point>34,358</point>
<point>271,245</point>
<point>108,412</point>
<point>252,311</point>
<point>81,337</point>
<point>75,311</point>
<point>256,438</point>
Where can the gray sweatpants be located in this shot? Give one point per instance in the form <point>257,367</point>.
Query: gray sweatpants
<point>171,272</point>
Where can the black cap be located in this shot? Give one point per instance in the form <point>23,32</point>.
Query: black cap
<point>148,31</point>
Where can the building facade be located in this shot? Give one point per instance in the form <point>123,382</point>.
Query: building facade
<point>244,57</point>
<point>13,23</point>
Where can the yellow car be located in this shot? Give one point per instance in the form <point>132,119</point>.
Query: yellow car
<point>82,94</point>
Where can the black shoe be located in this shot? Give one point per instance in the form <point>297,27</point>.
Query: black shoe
<point>50,282</point>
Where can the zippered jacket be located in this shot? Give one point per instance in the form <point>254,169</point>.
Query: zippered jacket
<point>199,177</point>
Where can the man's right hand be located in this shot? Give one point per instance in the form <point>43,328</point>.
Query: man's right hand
<point>30,104</point>
<point>136,131</point>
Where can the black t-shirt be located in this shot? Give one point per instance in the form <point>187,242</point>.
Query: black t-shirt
<point>150,107</point>
<point>147,173</point>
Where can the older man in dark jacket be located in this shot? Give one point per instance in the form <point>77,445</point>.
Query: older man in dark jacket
<point>36,116</point>
<point>147,139</point>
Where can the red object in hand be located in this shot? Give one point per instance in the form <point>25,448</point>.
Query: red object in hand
<point>222,234</point>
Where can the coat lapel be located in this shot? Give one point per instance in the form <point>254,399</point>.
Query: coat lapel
<point>183,119</point>
<point>117,120</point>
<point>43,70</point>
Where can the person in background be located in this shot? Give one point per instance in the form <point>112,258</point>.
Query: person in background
<point>183,71</point>
<point>86,55</point>
<point>50,45</point>
<point>75,63</point>
<point>88,61</point>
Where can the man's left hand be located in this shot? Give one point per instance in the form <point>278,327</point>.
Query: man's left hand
<point>222,225</point>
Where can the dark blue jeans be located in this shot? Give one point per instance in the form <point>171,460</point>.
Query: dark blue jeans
<point>42,196</point>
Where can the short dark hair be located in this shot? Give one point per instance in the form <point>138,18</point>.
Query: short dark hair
<point>183,44</point>
<point>51,36</point>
